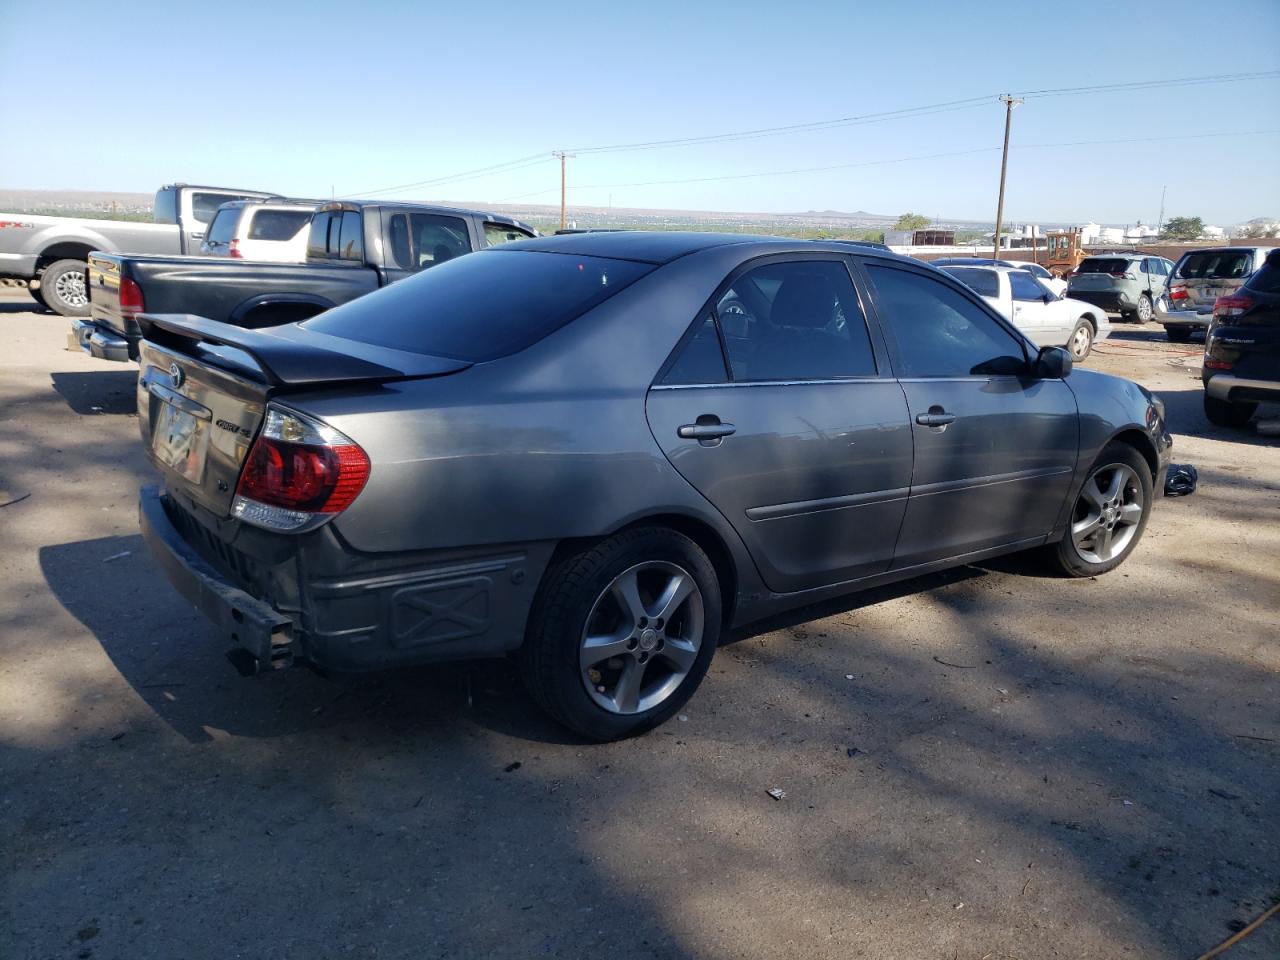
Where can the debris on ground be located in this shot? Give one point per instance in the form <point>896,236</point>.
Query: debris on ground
<point>1181,480</point>
<point>8,500</point>
<point>1223,794</point>
<point>684,718</point>
<point>848,676</point>
<point>117,556</point>
<point>512,767</point>
<point>777,793</point>
<point>852,751</point>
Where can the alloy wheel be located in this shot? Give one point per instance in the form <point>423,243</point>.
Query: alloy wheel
<point>1107,513</point>
<point>70,289</point>
<point>642,637</point>
<point>1145,311</point>
<point>1081,341</point>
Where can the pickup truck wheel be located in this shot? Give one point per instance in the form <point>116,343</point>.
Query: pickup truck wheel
<point>1224,413</point>
<point>37,296</point>
<point>1081,342</point>
<point>1178,334</point>
<point>62,286</point>
<point>1109,514</point>
<point>622,633</point>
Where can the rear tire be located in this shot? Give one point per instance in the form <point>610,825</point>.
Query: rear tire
<point>64,289</point>
<point>1109,515</point>
<point>1178,334</point>
<point>1145,311</point>
<point>580,613</point>
<point>1224,413</point>
<point>1081,342</point>
<point>1127,316</point>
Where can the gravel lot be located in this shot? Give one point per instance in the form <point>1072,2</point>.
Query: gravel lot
<point>1020,766</point>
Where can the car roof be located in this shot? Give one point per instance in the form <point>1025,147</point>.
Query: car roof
<point>271,202</point>
<point>664,246</point>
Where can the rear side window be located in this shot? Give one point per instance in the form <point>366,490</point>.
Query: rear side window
<point>985,283</point>
<point>1215,265</point>
<point>351,238</point>
<point>421,240</point>
<point>1103,265</point>
<point>277,224</point>
<point>481,307</point>
<point>939,331</point>
<point>1267,279</point>
<point>700,360</point>
<point>322,225</point>
<point>496,234</point>
<point>223,228</point>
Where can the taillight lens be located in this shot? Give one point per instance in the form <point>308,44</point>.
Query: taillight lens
<point>131,297</point>
<point>1232,306</point>
<point>1178,291</point>
<point>299,473</point>
<point>233,250</point>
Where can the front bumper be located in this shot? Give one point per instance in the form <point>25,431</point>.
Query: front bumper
<point>253,626</point>
<point>101,342</point>
<point>1226,386</point>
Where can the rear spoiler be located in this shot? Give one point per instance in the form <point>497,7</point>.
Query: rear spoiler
<point>291,356</point>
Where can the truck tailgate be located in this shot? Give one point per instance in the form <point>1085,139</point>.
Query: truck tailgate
<point>104,293</point>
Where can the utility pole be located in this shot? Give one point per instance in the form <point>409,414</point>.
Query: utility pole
<point>562,155</point>
<point>1009,103</point>
<point>1160,222</point>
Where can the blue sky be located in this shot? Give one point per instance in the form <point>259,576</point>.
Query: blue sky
<point>309,98</point>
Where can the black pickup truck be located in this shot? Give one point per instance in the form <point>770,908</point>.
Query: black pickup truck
<point>353,248</point>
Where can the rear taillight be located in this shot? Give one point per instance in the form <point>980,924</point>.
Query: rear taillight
<point>1122,275</point>
<point>1178,291</point>
<point>233,250</point>
<point>1232,306</point>
<point>1212,364</point>
<point>131,297</point>
<point>299,473</point>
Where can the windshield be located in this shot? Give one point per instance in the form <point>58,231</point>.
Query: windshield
<point>1103,265</point>
<point>1215,265</point>
<point>481,306</point>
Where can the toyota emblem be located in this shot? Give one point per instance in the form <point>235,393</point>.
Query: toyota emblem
<point>175,375</point>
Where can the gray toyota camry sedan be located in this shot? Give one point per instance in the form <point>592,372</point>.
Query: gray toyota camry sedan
<point>597,453</point>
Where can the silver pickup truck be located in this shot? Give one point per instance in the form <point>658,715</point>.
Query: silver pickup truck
<point>52,253</point>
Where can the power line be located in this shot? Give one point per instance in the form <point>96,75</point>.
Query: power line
<point>872,163</point>
<point>904,113</point>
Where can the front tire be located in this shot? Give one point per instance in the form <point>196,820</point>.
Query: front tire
<point>1178,334</point>
<point>63,288</point>
<point>1081,342</point>
<point>1224,413</point>
<point>1109,515</point>
<point>622,633</point>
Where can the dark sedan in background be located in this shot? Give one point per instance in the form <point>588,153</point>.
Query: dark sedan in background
<point>599,452</point>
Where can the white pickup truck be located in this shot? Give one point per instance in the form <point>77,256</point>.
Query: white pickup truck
<point>52,253</point>
<point>1048,319</point>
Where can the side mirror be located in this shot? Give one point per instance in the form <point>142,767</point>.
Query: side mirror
<point>1052,363</point>
<point>1049,297</point>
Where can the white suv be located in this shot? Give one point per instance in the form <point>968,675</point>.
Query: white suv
<point>273,230</point>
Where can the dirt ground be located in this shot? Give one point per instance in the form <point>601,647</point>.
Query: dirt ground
<point>989,763</point>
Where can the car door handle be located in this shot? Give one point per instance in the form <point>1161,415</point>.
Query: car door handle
<point>935,418</point>
<point>705,430</point>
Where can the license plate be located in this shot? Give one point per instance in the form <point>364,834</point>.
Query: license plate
<point>180,442</point>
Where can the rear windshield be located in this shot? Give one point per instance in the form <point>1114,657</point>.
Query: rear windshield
<point>481,306</point>
<point>223,227</point>
<point>278,224</point>
<point>1215,265</point>
<point>1103,265</point>
<point>982,282</point>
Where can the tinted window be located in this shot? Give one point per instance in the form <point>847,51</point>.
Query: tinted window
<point>423,240</point>
<point>985,283</point>
<point>1215,265</point>
<point>939,331</point>
<point>795,321</point>
<point>318,239</point>
<point>223,227</point>
<point>481,307</point>
<point>1038,271</point>
<point>496,234</point>
<point>1103,265</point>
<point>351,238</point>
<point>166,206</point>
<point>1024,286</point>
<point>205,205</point>
<point>277,224</point>
<point>1267,279</point>
<point>700,360</point>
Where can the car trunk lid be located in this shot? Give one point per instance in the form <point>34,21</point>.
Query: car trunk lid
<point>204,386</point>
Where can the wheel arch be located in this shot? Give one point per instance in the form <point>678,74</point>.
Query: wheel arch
<point>296,307</point>
<point>63,250</point>
<point>1138,438</point>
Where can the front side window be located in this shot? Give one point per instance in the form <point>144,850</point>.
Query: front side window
<point>795,321</point>
<point>1024,286</point>
<point>939,331</point>
<point>422,240</point>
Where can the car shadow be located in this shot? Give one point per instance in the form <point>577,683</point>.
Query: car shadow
<point>99,391</point>
<point>30,306</point>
